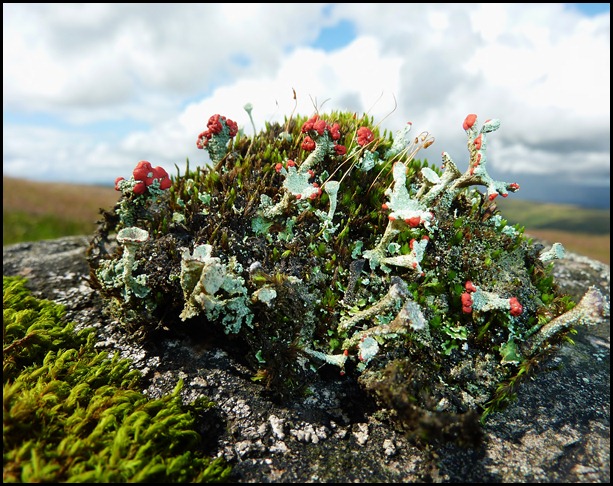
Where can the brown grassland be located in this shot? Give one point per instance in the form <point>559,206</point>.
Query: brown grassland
<point>38,210</point>
<point>40,198</point>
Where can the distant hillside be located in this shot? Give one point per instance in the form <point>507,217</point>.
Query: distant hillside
<point>36,210</point>
<point>536,215</point>
<point>554,189</point>
<point>583,231</point>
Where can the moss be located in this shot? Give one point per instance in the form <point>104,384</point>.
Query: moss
<point>74,414</point>
<point>395,223</point>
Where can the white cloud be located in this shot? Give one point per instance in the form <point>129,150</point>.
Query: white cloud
<point>543,69</point>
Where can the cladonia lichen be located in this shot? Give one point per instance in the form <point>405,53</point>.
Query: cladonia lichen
<point>213,288</point>
<point>324,241</point>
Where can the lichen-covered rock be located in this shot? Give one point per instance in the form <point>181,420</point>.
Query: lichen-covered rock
<point>323,244</point>
<point>557,429</point>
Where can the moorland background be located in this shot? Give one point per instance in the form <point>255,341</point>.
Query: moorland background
<point>33,211</point>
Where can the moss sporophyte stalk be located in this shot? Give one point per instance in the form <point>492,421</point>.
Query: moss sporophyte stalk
<point>322,243</point>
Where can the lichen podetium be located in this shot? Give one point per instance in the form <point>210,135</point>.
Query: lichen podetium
<point>323,243</point>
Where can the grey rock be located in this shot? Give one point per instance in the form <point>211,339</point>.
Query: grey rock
<point>558,429</point>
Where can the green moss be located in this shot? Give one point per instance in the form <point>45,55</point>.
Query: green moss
<point>398,223</point>
<point>74,414</point>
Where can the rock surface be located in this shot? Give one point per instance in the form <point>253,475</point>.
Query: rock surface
<point>558,429</point>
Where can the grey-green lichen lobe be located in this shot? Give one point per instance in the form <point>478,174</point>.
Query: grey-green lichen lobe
<point>213,288</point>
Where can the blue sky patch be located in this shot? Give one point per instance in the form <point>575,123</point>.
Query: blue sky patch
<point>592,9</point>
<point>241,59</point>
<point>335,37</point>
<point>118,127</point>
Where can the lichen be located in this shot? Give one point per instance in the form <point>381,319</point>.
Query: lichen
<point>203,276</point>
<point>326,242</point>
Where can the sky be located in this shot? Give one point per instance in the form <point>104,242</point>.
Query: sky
<point>91,89</point>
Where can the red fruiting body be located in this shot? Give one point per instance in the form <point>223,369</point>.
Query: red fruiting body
<point>478,141</point>
<point>278,166</point>
<point>469,121</point>
<point>308,144</point>
<point>203,139</point>
<point>232,127</point>
<point>308,125</point>
<point>365,136</point>
<point>516,308</point>
<point>143,171</point>
<point>340,149</point>
<point>467,303</point>
<point>145,175</point>
<point>335,131</point>
<point>162,176</point>
<point>469,286</point>
<point>466,299</point>
<point>414,221</point>
<point>139,188</point>
<point>320,126</point>
<point>492,196</point>
<point>214,125</point>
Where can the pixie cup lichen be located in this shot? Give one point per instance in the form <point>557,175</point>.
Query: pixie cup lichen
<point>323,244</point>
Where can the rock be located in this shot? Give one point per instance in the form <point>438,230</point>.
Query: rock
<point>558,429</point>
